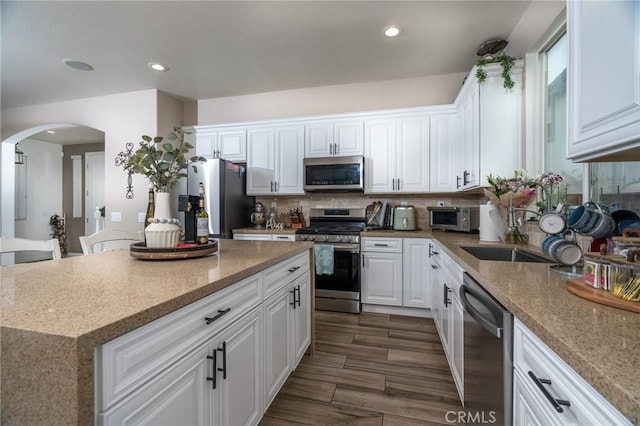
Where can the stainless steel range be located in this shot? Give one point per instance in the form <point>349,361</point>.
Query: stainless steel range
<point>337,287</point>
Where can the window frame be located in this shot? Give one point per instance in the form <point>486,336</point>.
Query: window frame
<point>535,91</point>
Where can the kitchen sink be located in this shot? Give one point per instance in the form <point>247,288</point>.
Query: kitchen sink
<point>505,254</point>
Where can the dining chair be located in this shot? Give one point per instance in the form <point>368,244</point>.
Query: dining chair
<point>12,245</point>
<point>88,242</point>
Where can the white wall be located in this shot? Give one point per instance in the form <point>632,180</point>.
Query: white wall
<point>44,192</point>
<point>404,93</point>
<point>122,117</point>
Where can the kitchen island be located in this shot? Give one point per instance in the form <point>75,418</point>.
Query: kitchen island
<point>55,313</point>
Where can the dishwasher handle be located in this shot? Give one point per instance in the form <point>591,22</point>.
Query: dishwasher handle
<point>493,328</point>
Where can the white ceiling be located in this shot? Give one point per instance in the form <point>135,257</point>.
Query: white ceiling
<point>219,48</point>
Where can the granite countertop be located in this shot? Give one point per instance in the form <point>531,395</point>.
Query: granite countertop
<point>601,343</point>
<point>54,313</point>
<point>263,231</point>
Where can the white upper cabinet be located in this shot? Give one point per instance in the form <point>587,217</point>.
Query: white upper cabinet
<point>396,153</point>
<point>336,138</point>
<point>274,160</point>
<point>491,126</point>
<point>444,152</point>
<point>603,75</point>
<point>229,143</point>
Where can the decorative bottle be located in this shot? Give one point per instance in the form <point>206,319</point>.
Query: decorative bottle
<point>151,207</point>
<point>202,220</point>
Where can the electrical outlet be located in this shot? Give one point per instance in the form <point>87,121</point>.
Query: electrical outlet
<point>440,203</point>
<point>141,216</point>
<point>116,217</point>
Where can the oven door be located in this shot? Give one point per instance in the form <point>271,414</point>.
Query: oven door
<point>344,283</point>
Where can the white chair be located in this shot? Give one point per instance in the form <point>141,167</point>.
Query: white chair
<point>89,241</point>
<point>12,245</point>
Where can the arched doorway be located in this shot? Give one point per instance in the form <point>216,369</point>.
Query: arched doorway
<point>48,170</point>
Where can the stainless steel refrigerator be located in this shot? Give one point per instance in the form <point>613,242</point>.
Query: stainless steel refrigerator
<point>225,195</point>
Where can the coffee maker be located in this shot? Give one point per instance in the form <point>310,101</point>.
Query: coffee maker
<point>189,204</point>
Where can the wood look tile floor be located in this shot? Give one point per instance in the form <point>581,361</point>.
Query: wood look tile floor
<point>369,369</point>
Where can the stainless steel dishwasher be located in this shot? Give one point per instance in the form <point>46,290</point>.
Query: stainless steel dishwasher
<point>488,356</point>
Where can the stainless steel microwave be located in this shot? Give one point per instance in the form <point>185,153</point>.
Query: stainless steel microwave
<point>334,174</point>
<point>462,219</point>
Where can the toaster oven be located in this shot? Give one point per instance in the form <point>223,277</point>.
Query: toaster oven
<point>461,219</point>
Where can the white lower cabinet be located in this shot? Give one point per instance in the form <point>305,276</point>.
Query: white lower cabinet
<point>218,361</point>
<point>237,371</point>
<point>416,289</point>
<point>395,272</point>
<point>287,324</point>
<point>448,313</point>
<point>218,383</point>
<point>382,271</point>
<point>548,391</point>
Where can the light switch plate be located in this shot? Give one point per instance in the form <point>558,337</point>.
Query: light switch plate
<point>116,217</point>
<point>141,216</point>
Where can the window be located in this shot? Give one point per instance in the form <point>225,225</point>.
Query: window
<point>555,118</point>
<point>608,183</point>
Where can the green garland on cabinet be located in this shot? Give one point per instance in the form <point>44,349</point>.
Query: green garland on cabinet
<point>507,64</point>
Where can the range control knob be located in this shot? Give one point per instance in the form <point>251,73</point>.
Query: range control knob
<point>325,238</point>
<point>339,238</point>
<point>312,238</point>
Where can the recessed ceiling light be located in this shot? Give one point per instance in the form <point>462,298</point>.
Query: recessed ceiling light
<point>391,31</point>
<point>51,132</point>
<point>157,67</point>
<point>77,65</point>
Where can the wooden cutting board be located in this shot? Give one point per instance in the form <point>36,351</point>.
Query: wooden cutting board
<point>581,289</point>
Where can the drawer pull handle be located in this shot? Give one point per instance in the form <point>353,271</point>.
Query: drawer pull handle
<point>215,368</point>
<point>282,237</point>
<point>295,299</point>
<point>224,360</point>
<point>220,313</point>
<point>381,245</point>
<point>295,268</point>
<point>446,292</point>
<point>555,402</point>
<point>434,266</point>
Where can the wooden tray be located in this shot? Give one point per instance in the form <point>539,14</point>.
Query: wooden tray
<point>140,251</point>
<point>581,289</point>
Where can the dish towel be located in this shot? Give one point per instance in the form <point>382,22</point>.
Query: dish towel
<point>324,259</point>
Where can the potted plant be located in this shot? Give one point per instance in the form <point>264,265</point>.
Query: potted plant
<point>164,164</point>
<point>490,52</point>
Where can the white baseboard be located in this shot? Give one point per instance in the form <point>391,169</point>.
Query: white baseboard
<point>397,310</point>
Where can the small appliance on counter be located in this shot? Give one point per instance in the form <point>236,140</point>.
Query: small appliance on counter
<point>404,218</point>
<point>258,216</point>
<point>461,219</point>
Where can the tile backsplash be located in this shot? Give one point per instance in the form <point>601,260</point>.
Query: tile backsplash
<point>351,200</point>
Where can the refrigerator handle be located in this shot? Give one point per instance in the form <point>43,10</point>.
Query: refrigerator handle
<point>486,323</point>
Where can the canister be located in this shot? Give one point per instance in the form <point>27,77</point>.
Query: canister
<point>591,271</point>
<point>626,242</point>
<point>625,278</point>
